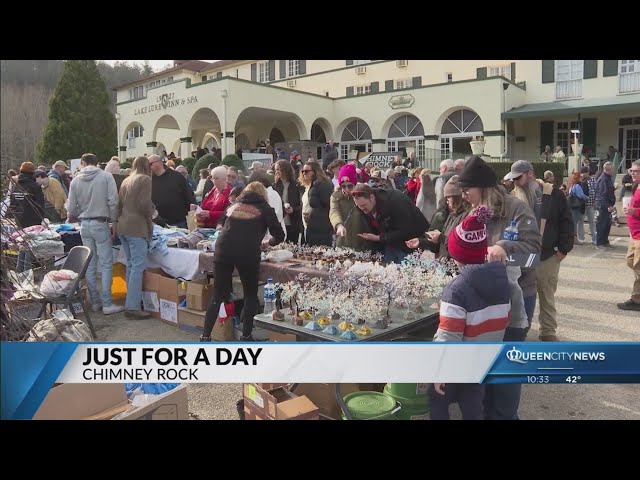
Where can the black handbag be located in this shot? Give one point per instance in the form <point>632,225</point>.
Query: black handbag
<point>574,201</point>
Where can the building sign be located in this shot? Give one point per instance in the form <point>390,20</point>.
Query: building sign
<point>401,101</point>
<point>382,160</point>
<point>164,102</point>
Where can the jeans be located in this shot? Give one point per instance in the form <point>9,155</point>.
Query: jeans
<point>96,235</point>
<point>468,396</point>
<point>501,402</point>
<point>603,226</point>
<point>591,216</point>
<point>24,262</point>
<point>578,223</point>
<point>135,249</point>
<point>395,255</point>
<point>249,273</point>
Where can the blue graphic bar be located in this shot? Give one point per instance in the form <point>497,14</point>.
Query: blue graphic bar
<point>570,363</point>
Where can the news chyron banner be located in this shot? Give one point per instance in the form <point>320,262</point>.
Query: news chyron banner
<point>29,370</point>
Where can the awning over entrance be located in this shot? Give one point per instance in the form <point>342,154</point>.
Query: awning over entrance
<point>610,104</point>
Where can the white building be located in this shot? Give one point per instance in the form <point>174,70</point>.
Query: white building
<point>432,106</point>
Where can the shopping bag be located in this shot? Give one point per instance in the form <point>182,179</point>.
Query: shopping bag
<point>223,328</point>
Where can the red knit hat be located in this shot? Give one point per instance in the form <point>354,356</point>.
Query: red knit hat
<point>348,174</point>
<point>467,242</point>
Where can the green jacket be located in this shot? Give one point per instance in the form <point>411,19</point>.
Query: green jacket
<point>344,211</point>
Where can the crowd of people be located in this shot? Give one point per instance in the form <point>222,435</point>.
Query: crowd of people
<point>463,213</point>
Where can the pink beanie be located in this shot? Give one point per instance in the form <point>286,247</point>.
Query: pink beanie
<point>348,173</point>
<point>113,167</point>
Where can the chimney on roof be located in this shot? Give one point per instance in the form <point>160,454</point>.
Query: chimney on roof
<point>177,63</point>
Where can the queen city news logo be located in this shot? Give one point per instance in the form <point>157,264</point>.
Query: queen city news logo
<point>518,356</point>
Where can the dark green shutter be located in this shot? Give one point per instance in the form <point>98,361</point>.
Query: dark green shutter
<point>416,82</point>
<point>513,72</point>
<point>349,62</point>
<point>272,70</point>
<point>590,69</point>
<point>219,75</point>
<point>589,134</point>
<point>481,72</point>
<point>548,71</point>
<point>349,91</point>
<point>546,134</point>
<point>254,72</point>
<point>283,69</point>
<point>610,68</point>
<point>388,85</point>
<point>303,67</point>
<point>375,87</point>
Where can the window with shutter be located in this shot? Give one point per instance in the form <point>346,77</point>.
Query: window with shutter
<point>568,77</point>
<point>293,68</point>
<point>263,72</point>
<point>629,76</point>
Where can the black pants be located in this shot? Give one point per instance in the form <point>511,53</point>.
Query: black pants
<point>468,396</point>
<point>293,232</point>
<point>501,402</point>
<point>249,272</point>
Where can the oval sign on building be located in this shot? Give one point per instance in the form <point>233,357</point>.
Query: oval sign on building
<point>401,101</point>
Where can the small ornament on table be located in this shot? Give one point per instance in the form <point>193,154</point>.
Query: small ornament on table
<point>346,326</point>
<point>349,335</point>
<point>364,331</point>
<point>313,326</point>
<point>382,324</point>
<point>324,321</point>
<point>277,316</point>
<point>331,330</point>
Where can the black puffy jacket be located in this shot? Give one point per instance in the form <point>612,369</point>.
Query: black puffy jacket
<point>27,201</point>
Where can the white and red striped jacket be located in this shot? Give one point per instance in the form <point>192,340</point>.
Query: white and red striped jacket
<point>476,305</point>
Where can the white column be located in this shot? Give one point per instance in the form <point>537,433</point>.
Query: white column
<point>185,147</point>
<point>378,145</point>
<point>228,144</point>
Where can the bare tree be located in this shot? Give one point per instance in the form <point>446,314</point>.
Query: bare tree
<point>23,116</point>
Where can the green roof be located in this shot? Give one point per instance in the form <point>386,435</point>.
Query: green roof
<point>604,104</point>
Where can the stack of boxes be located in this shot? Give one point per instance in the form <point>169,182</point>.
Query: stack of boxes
<point>273,401</point>
<point>161,295</point>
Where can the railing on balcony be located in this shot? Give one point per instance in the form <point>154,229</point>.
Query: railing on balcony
<point>569,89</point>
<point>629,82</point>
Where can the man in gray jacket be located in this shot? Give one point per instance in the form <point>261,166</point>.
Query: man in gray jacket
<point>93,200</point>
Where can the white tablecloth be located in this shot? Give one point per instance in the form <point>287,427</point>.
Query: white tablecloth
<point>178,263</point>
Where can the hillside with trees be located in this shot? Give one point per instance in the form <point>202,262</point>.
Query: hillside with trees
<point>26,89</point>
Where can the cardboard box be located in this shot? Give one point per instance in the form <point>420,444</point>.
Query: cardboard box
<point>282,337</point>
<point>191,321</point>
<point>278,404</point>
<point>104,401</point>
<point>173,405</point>
<point>161,295</point>
<point>323,395</point>
<point>75,401</point>
<point>272,386</point>
<point>199,292</point>
<point>169,299</point>
<point>150,289</point>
